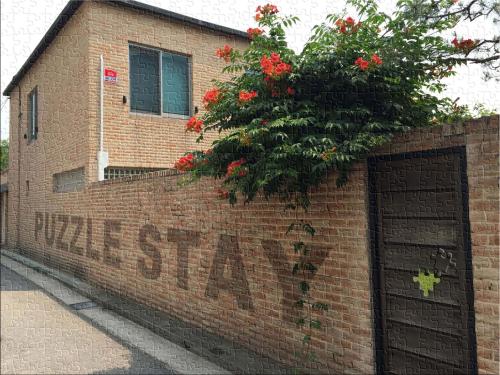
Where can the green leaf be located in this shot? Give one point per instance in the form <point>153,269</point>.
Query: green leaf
<point>320,306</point>
<point>308,267</point>
<point>308,228</point>
<point>298,246</point>
<point>304,287</point>
<point>316,324</point>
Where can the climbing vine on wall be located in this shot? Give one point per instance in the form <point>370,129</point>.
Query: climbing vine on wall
<point>288,118</point>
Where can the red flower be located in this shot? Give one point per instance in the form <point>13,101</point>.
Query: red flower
<point>235,166</point>
<point>282,68</point>
<point>275,93</point>
<point>194,125</point>
<point>274,67</point>
<point>463,44</point>
<point>362,63</point>
<point>258,17</point>
<point>266,9</point>
<point>290,91</point>
<point>211,97</point>
<point>467,44</point>
<point>264,122</point>
<point>267,65</point>
<point>222,194</point>
<point>224,53</point>
<point>376,59</point>
<point>275,58</point>
<point>185,163</point>
<point>347,23</point>
<point>246,96</point>
<point>253,32</point>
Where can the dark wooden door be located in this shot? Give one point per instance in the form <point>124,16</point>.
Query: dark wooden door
<point>421,266</point>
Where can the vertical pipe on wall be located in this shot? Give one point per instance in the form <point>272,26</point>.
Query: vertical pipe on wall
<point>102,156</point>
<point>101,109</point>
<point>19,128</point>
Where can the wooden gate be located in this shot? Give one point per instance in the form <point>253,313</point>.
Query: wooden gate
<point>422,279</point>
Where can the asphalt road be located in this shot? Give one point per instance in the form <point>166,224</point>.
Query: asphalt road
<point>39,335</point>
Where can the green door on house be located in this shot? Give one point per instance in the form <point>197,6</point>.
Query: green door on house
<point>422,277</point>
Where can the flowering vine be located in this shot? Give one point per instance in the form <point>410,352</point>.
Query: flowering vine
<point>224,53</point>
<point>246,96</point>
<point>253,32</point>
<point>464,44</point>
<point>288,119</point>
<point>211,97</point>
<point>194,125</point>
<point>185,163</point>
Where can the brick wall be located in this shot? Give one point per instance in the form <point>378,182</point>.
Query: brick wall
<point>67,77</point>
<point>61,78</point>
<point>181,250</point>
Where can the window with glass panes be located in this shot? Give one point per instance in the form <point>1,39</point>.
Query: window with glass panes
<point>33,114</point>
<point>159,82</point>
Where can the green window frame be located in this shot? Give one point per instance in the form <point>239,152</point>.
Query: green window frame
<point>160,82</point>
<point>33,114</point>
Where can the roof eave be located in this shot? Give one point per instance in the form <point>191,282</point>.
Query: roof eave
<point>72,7</point>
<point>49,36</point>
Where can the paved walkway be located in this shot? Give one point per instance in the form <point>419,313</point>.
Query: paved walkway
<point>47,328</point>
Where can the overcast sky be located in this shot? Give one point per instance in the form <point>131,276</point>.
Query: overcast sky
<point>24,22</point>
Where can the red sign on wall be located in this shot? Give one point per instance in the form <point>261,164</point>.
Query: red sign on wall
<point>110,75</point>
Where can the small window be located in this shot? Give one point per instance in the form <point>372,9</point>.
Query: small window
<point>33,114</point>
<point>69,181</point>
<point>159,82</point>
<point>111,173</point>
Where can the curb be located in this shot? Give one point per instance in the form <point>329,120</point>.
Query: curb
<point>223,352</point>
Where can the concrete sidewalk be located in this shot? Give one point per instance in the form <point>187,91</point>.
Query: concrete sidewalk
<point>177,346</point>
<point>47,328</point>
<point>39,335</point>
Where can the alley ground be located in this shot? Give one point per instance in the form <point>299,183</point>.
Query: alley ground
<point>47,328</point>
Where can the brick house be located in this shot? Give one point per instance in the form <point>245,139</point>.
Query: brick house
<point>163,62</point>
<point>228,269</point>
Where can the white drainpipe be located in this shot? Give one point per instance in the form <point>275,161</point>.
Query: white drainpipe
<point>102,156</point>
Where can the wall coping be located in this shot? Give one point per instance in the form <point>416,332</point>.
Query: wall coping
<point>460,128</point>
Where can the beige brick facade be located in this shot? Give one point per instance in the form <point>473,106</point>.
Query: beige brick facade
<point>141,140</point>
<point>174,247</point>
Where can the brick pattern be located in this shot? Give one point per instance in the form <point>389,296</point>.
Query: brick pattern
<point>176,247</point>
<point>61,76</point>
<point>181,250</point>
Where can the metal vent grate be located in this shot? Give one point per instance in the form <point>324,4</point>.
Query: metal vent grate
<point>119,172</point>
